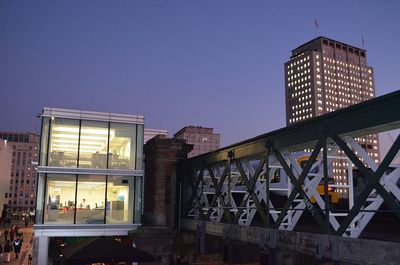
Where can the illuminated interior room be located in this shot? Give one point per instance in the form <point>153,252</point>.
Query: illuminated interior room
<point>90,175</point>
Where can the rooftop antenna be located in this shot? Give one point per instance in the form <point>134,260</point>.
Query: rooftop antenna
<point>362,40</point>
<point>316,26</point>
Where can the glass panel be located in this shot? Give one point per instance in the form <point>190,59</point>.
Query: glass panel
<point>93,145</point>
<point>120,199</point>
<point>90,199</point>
<point>122,146</point>
<point>40,198</point>
<point>138,199</point>
<point>64,143</point>
<point>44,141</point>
<point>60,199</point>
<point>139,152</point>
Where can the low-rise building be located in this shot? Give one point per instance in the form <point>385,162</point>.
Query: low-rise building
<point>90,176</point>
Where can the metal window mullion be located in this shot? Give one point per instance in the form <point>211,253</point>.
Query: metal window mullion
<point>107,166</point>
<point>134,199</point>
<point>105,200</point>
<point>44,196</point>
<point>136,145</point>
<point>40,144</point>
<point>77,165</point>
<point>38,174</point>
<point>108,144</point>
<point>76,196</point>
<point>48,142</point>
<point>47,163</point>
<point>79,142</point>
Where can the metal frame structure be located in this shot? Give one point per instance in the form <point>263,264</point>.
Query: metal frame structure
<point>235,185</point>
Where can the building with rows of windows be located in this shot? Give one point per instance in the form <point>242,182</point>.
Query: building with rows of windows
<point>90,175</point>
<point>203,139</point>
<point>324,75</point>
<point>19,194</point>
<point>5,172</point>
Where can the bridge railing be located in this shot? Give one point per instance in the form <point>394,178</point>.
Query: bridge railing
<point>322,175</point>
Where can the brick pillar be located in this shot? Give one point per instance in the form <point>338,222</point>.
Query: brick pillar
<point>160,188</point>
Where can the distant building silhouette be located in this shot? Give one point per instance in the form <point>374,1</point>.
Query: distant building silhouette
<point>203,139</point>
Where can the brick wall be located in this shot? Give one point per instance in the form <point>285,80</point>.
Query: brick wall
<point>160,191</point>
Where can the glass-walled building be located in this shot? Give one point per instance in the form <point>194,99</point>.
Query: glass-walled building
<point>90,173</point>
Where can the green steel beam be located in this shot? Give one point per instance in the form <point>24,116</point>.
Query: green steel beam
<point>372,116</point>
<point>217,194</point>
<point>373,182</point>
<point>193,186</point>
<point>250,187</point>
<point>297,185</point>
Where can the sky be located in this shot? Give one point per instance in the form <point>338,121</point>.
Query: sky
<point>211,63</point>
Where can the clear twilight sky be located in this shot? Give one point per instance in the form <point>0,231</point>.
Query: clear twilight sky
<point>212,63</point>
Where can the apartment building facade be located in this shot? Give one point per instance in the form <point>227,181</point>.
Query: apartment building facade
<point>324,75</point>
<point>203,139</point>
<point>21,195</point>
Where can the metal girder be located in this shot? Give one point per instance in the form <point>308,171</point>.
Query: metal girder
<point>218,187</point>
<point>372,116</point>
<point>373,181</point>
<point>297,184</point>
<point>250,190</point>
<point>194,191</point>
<point>255,161</point>
<point>326,195</point>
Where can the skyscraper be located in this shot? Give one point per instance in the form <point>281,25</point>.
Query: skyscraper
<point>324,75</point>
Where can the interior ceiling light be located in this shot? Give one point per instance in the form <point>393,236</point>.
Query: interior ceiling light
<point>83,130</point>
<point>75,150</point>
<point>72,142</point>
<point>82,144</point>
<point>84,137</point>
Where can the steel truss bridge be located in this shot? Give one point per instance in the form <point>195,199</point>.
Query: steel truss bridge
<point>239,184</point>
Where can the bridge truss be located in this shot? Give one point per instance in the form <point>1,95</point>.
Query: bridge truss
<point>260,182</point>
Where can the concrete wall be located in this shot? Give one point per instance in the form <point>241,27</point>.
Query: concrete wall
<point>339,249</point>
